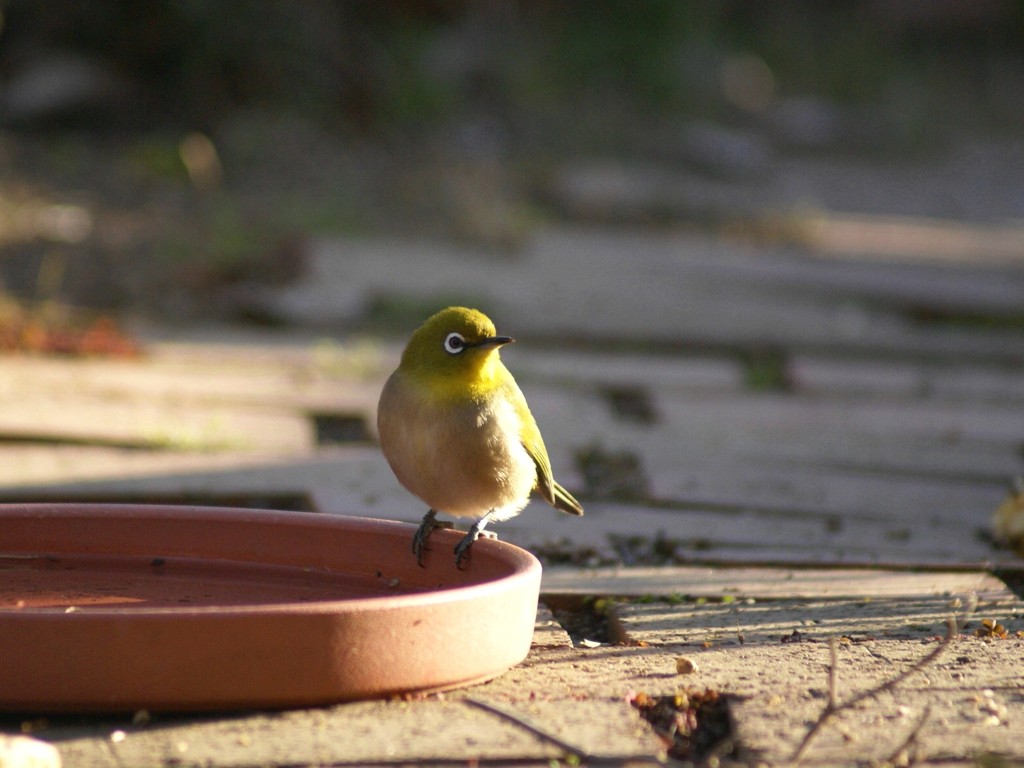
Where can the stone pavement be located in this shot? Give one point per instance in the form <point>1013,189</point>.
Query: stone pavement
<point>780,450</point>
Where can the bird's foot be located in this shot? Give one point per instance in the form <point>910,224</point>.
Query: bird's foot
<point>427,526</point>
<point>462,548</point>
<point>476,531</point>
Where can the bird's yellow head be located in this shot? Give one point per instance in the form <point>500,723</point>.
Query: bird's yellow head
<point>454,351</point>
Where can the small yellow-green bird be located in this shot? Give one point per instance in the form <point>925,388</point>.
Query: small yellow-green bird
<point>457,431</point>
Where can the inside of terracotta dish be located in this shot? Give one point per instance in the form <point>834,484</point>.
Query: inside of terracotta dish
<point>78,582</point>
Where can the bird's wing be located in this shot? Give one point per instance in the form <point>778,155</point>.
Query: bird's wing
<point>529,435</point>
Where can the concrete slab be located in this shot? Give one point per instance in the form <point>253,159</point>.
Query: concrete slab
<point>732,474</point>
<point>773,659</point>
<point>688,582</point>
<point>350,734</point>
<point>26,752</point>
<point>653,288</point>
<point>803,201</point>
<point>725,529</point>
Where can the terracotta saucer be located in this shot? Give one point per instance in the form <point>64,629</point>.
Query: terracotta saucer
<point>125,607</point>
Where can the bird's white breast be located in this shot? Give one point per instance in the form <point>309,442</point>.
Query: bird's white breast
<point>463,459</point>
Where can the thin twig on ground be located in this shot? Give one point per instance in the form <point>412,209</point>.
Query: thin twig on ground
<point>910,740</point>
<point>953,626</point>
<point>833,674</point>
<point>570,749</point>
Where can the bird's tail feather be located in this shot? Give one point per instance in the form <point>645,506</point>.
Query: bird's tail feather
<point>565,502</point>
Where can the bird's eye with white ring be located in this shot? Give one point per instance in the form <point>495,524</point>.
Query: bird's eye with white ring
<point>454,343</point>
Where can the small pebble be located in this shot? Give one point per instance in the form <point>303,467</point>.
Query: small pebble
<point>685,665</point>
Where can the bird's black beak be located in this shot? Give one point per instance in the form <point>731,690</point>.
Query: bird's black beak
<point>494,341</point>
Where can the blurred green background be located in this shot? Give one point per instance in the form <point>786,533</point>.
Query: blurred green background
<point>154,154</point>
<point>366,67</point>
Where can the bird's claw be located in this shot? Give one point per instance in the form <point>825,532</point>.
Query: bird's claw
<point>427,526</point>
<point>462,548</point>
